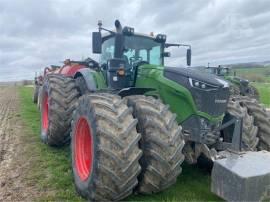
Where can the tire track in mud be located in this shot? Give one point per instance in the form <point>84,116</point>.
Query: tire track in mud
<point>6,111</point>
<point>13,162</point>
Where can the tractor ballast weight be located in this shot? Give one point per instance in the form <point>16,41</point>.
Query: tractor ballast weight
<point>242,176</point>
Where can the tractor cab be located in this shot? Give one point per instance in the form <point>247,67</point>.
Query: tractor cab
<point>219,70</point>
<point>123,51</point>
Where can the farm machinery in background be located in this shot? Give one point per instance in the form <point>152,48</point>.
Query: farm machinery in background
<point>132,121</point>
<point>38,82</point>
<point>239,86</point>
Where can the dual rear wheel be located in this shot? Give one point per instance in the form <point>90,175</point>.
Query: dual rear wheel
<point>59,95</point>
<point>111,159</point>
<point>35,93</point>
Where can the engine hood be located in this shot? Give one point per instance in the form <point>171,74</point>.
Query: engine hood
<point>196,75</point>
<point>212,98</point>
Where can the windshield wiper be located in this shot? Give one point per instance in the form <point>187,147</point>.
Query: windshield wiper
<point>167,45</point>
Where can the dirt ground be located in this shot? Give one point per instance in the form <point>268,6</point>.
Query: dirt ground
<point>13,163</point>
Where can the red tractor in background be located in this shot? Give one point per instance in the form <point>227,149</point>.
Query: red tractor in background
<point>38,82</point>
<point>70,69</point>
<point>62,85</point>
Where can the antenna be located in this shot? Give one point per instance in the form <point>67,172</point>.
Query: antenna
<point>99,25</point>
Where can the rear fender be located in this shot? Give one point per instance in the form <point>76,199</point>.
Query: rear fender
<point>89,79</point>
<point>135,91</point>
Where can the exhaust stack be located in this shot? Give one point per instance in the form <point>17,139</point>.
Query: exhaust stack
<point>118,26</point>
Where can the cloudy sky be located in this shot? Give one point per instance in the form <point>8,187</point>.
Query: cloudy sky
<point>35,33</point>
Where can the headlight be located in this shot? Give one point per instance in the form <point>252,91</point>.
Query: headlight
<point>201,85</point>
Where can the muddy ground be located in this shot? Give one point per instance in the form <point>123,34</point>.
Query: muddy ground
<point>14,164</point>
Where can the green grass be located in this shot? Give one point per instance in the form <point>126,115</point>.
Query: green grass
<point>260,78</point>
<point>260,74</point>
<point>192,185</point>
<point>51,170</point>
<point>264,91</point>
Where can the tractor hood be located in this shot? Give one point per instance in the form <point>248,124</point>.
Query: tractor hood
<point>177,73</point>
<point>241,80</point>
<point>210,93</point>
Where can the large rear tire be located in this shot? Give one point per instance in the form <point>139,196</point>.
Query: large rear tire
<point>39,98</point>
<point>261,120</point>
<point>35,94</point>
<point>162,143</point>
<point>234,90</point>
<point>253,93</point>
<point>104,145</point>
<point>59,95</point>
<point>249,130</point>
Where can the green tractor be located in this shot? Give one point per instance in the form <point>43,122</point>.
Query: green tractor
<point>239,86</point>
<point>133,120</point>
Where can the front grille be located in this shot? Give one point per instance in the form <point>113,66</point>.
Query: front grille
<point>203,98</point>
<point>206,100</point>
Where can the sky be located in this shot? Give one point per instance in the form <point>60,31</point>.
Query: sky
<point>35,34</point>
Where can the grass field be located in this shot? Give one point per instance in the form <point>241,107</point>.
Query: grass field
<point>52,171</point>
<point>261,74</point>
<point>260,78</point>
<point>264,91</point>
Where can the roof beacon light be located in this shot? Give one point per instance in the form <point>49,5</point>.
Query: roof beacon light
<point>161,38</point>
<point>128,31</point>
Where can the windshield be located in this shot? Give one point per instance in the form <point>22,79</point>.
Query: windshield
<point>142,49</point>
<point>137,49</point>
<point>218,71</point>
<point>224,71</point>
<point>107,50</point>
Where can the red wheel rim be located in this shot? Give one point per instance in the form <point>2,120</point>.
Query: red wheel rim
<point>83,149</point>
<point>45,113</point>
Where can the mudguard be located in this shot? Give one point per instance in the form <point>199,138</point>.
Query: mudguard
<point>87,74</point>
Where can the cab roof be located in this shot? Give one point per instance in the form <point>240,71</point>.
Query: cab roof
<point>108,35</point>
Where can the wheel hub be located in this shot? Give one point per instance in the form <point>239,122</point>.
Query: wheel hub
<point>83,149</point>
<point>45,109</point>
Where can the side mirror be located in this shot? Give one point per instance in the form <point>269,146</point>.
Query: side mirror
<point>166,54</point>
<point>188,57</point>
<point>96,42</point>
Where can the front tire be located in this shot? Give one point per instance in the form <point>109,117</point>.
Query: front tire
<point>234,90</point>
<point>35,94</point>
<point>162,143</point>
<point>249,130</point>
<point>261,120</point>
<point>253,93</point>
<point>104,145</point>
<point>58,100</point>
